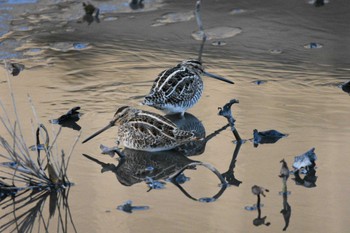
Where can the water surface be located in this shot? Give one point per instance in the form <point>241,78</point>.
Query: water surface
<point>103,65</point>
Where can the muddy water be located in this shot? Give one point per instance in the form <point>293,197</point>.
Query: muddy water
<point>105,65</point>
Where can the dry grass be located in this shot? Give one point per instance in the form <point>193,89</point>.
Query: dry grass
<point>44,168</point>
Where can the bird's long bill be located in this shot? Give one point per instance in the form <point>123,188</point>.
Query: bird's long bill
<point>98,132</point>
<point>217,77</point>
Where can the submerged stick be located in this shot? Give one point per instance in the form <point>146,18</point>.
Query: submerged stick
<point>227,113</point>
<point>201,29</point>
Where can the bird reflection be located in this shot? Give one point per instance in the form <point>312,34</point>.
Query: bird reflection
<point>258,190</point>
<point>189,122</point>
<point>154,168</point>
<point>27,207</point>
<point>287,210</point>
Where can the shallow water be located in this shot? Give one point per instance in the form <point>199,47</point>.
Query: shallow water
<point>103,65</point>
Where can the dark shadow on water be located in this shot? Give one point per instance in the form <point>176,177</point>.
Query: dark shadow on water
<point>26,211</point>
<point>155,169</point>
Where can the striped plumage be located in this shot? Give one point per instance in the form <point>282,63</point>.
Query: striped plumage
<point>147,131</point>
<point>177,89</point>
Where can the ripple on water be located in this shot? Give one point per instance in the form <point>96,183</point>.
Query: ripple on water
<point>21,1</point>
<point>8,49</point>
<point>275,51</point>
<point>237,11</point>
<point>313,45</point>
<point>314,1</point>
<point>110,18</point>
<point>68,46</point>
<point>174,17</point>
<point>218,43</point>
<point>217,33</point>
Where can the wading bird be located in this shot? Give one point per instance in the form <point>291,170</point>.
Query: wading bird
<point>147,131</point>
<point>179,88</point>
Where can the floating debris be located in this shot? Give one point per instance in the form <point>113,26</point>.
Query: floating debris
<point>258,190</point>
<point>284,172</point>
<point>128,208</point>
<point>275,51</point>
<point>305,160</point>
<point>266,137</point>
<point>346,87</point>
<point>259,82</point>
<point>14,68</point>
<point>237,11</point>
<point>217,33</point>
<point>174,18</point>
<point>318,3</point>
<point>313,45</point>
<point>219,43</point>
<point>72,114</point>
<point>227,113</point>
<point>310,178</point>
<point>90,9</point>
<point>136,4</point>
<point>69,119</point>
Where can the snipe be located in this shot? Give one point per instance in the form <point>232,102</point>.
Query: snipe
<point>147,131</point>
<point>179,88</point>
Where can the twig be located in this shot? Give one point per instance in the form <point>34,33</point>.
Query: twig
<point>201,29</point>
